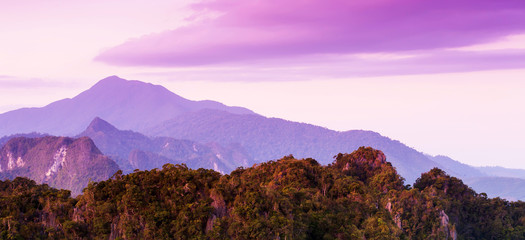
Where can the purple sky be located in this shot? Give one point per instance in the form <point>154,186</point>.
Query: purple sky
<point>251,30</point>
<point>445,77</point>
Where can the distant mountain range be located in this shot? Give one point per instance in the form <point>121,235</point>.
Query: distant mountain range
<point>61,162</point>
<point>272,138</point>
<point>126,104</point>
<point>502,172</point>
<point>132,150</point>
<point>143,126</point>
<point>5,139</point>
<point>494,181</point>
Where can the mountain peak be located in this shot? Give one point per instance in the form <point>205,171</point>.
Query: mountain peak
<point>113,82</point>
<point>112,78</point>
<point>99,125</point>
<point>127,104</point>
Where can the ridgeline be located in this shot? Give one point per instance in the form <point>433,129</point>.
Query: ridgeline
<point>359,196</point>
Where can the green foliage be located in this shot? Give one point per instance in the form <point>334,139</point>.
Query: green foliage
<point>31,211</point>
<point>359,196</point>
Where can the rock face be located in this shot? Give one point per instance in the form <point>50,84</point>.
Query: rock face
<point>447,228</point>
<point>61,162</point>
<point>132,150</point>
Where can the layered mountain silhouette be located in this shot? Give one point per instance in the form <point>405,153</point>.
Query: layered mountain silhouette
<point>271,138</point>
<point>126,104</point>
<point>5,139</point>
<point>502,172</point>
<point>510,188</point>
<point>494,181</point>
<point>143,126</point>
<point>60,162</point>
<point>456,168</point>
<point>132,150</point>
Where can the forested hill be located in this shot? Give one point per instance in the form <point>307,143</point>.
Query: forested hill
<point>358,196</point>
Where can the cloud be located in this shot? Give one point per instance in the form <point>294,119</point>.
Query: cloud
<point>12,82</point>
<point>244,31</point>
<point>319,67</point>
<point>516,42</point>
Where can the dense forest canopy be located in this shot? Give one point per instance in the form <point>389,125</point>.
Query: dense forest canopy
<point>359,196</point>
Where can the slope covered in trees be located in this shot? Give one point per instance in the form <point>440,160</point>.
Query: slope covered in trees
<point>358,196</point>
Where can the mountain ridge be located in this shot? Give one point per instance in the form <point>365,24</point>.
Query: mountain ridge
<point>127,104</point>
<point>272,138</point>
<point>359,196</point>
<point>152,117</point>
<point>132,150</point>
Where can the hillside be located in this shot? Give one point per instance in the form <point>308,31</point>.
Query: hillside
<point>153,126</point>
<point>132,150</point>
<point>61,162</point>
<point>358,196</point>
<point>271,138</point>
<point>127,104</point>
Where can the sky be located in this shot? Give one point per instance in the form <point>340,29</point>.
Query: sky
<point>444,77</point>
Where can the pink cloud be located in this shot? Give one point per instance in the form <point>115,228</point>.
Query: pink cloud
<point>317,67</point>
<point>11,82</point>
<point>270,29</point>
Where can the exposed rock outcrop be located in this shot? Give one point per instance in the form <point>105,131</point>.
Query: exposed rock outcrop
<point>61,162</point>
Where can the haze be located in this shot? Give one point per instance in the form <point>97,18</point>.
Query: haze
<point>443,77</point>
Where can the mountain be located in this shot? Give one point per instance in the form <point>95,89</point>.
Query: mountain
<point>502,172</point>
<point>217,136</point>
<point>132,150</point>
<point>271,138</point>
<point>509,188</point>
<point>494,181</point>
<point>5,139</point>
<point>61,162</point>
<point>360,196</point>
<point>127,104</point>
<point>457,168</point>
